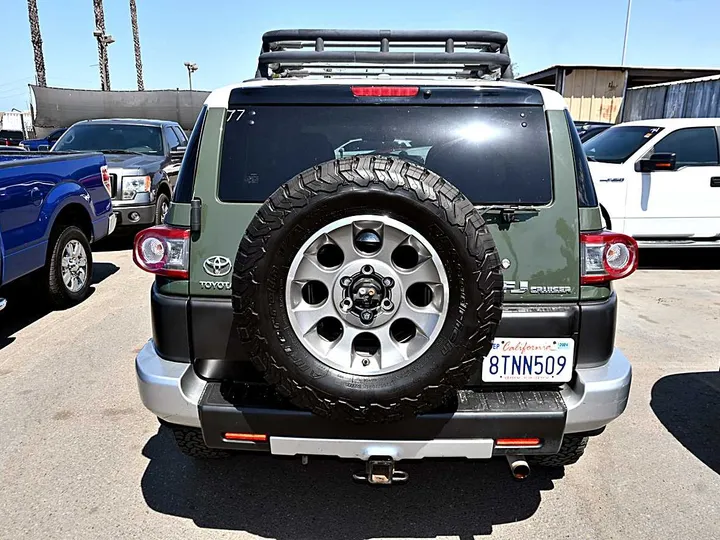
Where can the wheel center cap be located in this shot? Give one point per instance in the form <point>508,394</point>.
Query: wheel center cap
<point>367,294</point>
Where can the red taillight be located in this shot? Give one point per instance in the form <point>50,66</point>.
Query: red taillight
<point>163,250</point>
<point>385,91</point>
<point>607,256</point>
<point>106,179</point>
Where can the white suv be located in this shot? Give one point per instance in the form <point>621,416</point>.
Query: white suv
<point>659,180</point>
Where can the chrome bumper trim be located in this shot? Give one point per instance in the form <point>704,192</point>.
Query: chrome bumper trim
<point>397,450</point>
<point>598,395</point>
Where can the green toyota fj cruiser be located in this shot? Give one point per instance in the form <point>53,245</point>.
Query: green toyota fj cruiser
<point>384,255</point>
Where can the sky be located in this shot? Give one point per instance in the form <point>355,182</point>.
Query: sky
<point>223,36</point>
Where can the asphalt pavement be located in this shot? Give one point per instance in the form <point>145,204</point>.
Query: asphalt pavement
<point>81,458</point>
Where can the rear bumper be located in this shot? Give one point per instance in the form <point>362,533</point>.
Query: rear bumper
<point>103,226</point>
<point>174,393</point>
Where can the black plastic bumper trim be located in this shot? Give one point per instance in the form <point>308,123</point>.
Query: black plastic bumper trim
<point>477,415</point>
<point>596,339</point>
<point>169,316</point>
<point>217,355</point>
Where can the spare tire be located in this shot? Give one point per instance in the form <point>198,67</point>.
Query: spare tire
<point>367,289</point>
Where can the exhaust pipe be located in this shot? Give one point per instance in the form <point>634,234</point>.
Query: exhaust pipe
<point>518,467</point>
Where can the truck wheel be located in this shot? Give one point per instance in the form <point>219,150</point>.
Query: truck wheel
<point>161,208</point>
<point>69,270</point>
<point>190,442</point>
<point>367,289</point>
<point>571,450</point>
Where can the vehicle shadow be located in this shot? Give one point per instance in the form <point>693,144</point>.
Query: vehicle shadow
<point>688,405</point>
<point>279,498</point>
<point>27,302</point>
<point>119,240</point>
<point>680,259</point>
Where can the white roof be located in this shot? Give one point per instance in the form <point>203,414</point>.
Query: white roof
<point>675,122</point>
<point>220,97</point>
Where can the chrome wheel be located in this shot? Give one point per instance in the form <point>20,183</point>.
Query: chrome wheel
<point>74,266</point>
<point>367,295</point>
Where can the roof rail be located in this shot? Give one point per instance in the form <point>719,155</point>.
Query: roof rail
<point>367,53</point>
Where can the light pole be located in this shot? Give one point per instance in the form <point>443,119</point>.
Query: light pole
<point>192,68</point>
<point>627,28</point>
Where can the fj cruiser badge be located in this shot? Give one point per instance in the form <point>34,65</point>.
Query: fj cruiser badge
<point>217,266</point>
<point>522,287</point>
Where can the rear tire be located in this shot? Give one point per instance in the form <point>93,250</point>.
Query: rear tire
<point>571,450</point>
<point>70,246</point>
<point>190,442</point>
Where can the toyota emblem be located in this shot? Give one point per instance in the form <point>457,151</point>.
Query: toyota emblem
<point>217,266</point>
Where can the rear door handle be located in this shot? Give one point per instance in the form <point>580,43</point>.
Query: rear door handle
<point>715,181</point>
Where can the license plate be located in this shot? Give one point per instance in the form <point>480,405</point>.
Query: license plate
<point>529,360</point>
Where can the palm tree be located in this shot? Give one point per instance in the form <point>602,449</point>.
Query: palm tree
<point>102,44</point>
<point>36,39</point>
<point>136,43</point>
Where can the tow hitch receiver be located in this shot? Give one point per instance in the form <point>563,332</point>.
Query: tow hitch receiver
<point>381,471</point>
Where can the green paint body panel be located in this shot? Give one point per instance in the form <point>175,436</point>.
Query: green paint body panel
<point>178,214</point>
<point>590,219</point>
<point>543,248</point>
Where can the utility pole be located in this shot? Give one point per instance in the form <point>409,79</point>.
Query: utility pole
<point>36,39</point>
<point>627,28</point>
<point>136,43</point>
<point>192,68</point>
<point>103,41</point>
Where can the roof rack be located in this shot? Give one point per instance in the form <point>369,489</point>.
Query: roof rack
<point>385,53</point>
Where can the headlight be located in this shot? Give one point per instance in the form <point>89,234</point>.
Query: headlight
<point>134,184</point>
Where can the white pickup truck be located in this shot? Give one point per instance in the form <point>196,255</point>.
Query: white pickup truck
<point>659,180</point>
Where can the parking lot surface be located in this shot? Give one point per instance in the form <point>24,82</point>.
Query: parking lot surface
<point>81,458</point>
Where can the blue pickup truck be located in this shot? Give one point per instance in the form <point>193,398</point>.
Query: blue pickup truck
<point>43,143</point>
<point>52,207</point>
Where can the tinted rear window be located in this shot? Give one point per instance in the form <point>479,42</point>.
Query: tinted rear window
<point>586,188</point>
<point>186,176</point>
<point>493,154</point>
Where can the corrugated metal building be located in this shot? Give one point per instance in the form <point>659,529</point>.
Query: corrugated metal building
<point>595,93</point>
<point>695,98</point>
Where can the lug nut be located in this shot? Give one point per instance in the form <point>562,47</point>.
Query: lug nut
<point>345,281</point>
<point>366,316</point>
<point>367,269</point>
<point>387,305</point>
<point>388,282</point>
<point>346,304</point>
